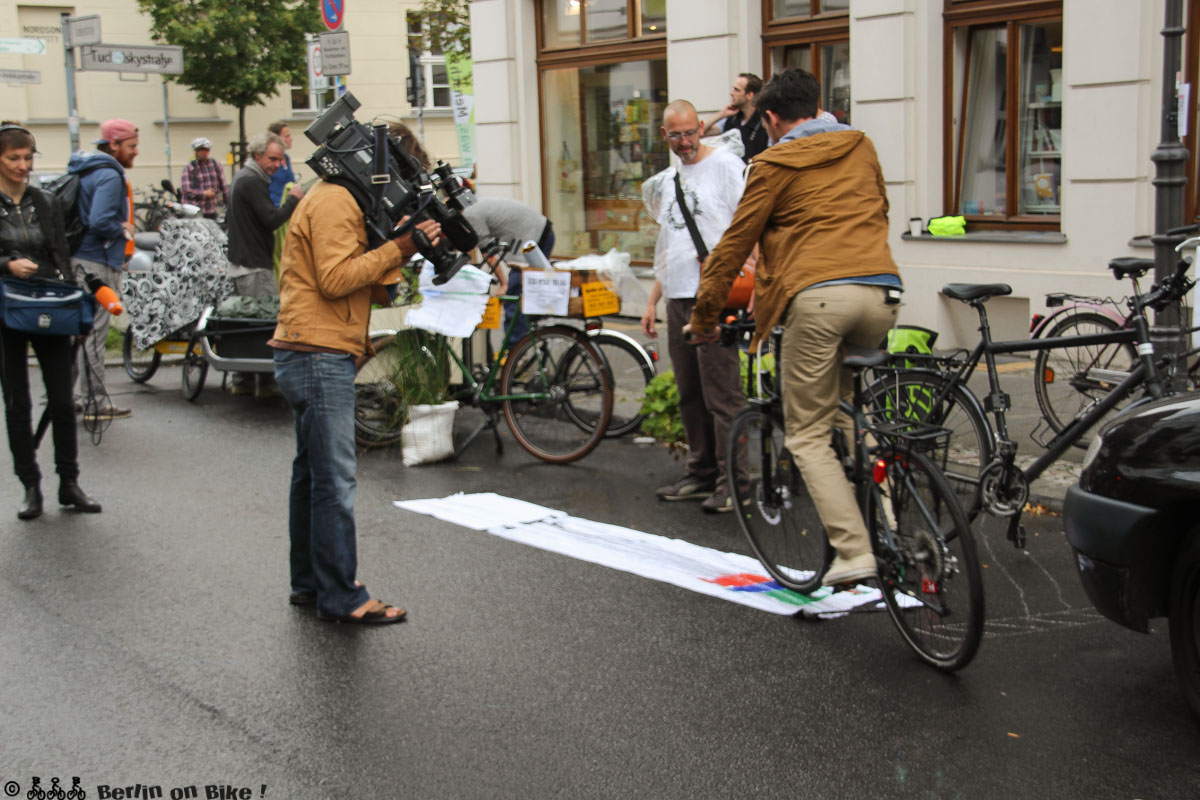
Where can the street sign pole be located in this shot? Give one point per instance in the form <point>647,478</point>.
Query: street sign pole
<point>69,63</point>
<point>166,126</point>
<point>1169,159</point>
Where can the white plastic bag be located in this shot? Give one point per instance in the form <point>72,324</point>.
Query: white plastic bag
<point>428,435</point>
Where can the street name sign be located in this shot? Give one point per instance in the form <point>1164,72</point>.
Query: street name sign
<point>335,53</point>
<point>166,59</point>
<point>24,47</point>
<point>83,30</point>
<point>20,76</point>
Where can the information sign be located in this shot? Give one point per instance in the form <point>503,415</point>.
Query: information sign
<point>20,76</point>
<point>335,53</point>
<point>23,47</point>
<point>83,30</point>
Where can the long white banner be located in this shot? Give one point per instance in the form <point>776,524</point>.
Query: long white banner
<point>730,576</point>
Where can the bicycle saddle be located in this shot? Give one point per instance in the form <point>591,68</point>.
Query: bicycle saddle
<point>856,357</point>
<point>975,291</point>
<point>1125,267</point>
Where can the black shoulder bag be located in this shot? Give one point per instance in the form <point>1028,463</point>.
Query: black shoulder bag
<point>701,249</point>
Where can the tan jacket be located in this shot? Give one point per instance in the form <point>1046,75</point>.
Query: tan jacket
<point>326,273</point>
<point>818,207</point>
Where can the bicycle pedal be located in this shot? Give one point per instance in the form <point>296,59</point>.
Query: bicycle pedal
<point>1016,534</point>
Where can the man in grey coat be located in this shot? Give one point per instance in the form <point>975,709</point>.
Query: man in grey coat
<point>253,218</point>
<point>511,221</point>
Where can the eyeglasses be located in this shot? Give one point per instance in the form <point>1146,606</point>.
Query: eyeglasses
<point>675,136</point>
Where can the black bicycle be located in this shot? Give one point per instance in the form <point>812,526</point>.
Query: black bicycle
<point>928,569</point>
<point>979,456</point>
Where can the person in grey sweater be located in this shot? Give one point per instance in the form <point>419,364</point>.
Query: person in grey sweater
<point>511,221</point>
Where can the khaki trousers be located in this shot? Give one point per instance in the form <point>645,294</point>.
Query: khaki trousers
<point>817,322</point>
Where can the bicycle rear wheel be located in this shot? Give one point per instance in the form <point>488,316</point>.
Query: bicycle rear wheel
<point>1069,381</point>
<point>630,370</point>
<point>561,375</point>
<point>928,568</point>
<point>774,508</point>
<point>140,365</point>
<point>968,449</point>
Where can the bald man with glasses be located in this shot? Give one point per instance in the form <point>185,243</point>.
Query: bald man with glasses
<point>710,391</point>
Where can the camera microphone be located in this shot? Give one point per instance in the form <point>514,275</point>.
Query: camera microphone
<point>104,294</point>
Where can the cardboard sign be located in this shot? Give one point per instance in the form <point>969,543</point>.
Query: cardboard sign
<point>599,300</point>
<point>545,293</point>
<point>491,316</point>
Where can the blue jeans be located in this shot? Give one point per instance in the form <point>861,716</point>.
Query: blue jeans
<point>324,550</point>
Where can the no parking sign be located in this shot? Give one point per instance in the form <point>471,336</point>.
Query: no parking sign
<point>333,13</point>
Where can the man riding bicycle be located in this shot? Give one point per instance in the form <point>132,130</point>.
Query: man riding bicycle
<point>815,202</point>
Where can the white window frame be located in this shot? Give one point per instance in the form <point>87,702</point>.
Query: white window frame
<point>428,62</point>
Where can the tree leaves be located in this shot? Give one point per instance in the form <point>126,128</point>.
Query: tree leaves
<point>235,51</point>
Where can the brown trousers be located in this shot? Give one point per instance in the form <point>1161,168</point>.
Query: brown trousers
<point>710,393</point>
<point>816,324</point>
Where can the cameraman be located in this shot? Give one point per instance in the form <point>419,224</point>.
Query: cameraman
<point>327,281</point>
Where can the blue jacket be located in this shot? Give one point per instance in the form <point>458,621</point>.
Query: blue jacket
<point>281,178</point>
<point>103,206</point>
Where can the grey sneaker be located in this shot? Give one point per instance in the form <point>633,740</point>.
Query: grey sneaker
<point>689,487</point>
<point>721,501</point>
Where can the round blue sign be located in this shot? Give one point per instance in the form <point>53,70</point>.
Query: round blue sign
<point>332,12</point>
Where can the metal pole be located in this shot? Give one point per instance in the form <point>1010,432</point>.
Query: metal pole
<point>72,110</point>
<point>1169,159</point>
<point>419,86</point>
<point>166,126</point>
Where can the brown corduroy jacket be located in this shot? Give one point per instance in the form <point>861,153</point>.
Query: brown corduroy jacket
<point>818,207</point>
<point>326,274</point>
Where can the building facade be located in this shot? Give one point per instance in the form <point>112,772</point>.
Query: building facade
<point>1035,119</point>
<point>380,66</point>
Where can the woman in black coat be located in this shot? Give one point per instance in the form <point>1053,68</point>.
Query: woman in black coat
<point>33,243</point>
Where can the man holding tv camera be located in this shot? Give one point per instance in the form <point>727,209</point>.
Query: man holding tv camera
<point>348,239</point>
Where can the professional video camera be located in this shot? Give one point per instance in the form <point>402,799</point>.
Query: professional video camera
<point>390,184</point>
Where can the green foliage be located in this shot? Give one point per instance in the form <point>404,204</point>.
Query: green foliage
<point>445,26</point>
<point>417,371</point>
<point>235,51</point>
<point>660,405</point>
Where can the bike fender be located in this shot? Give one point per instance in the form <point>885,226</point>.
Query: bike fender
<point>625,338</point>
<point>1047,322</point>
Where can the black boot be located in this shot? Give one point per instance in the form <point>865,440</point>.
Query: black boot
<point>31,508</point>
<point>69,494</point>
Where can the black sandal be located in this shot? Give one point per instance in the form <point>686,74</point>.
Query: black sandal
<point>377,616</point>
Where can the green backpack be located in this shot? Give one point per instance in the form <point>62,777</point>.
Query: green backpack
<point>912,339</point>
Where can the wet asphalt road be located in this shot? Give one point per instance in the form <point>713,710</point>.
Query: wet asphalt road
<point>153,644</point>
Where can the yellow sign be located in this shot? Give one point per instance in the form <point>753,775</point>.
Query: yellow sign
<point>491,315</point>
<point>599,299</point>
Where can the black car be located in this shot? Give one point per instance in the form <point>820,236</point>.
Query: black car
<point>1134,523</point>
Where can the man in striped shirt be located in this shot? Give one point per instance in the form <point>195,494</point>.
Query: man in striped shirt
<point>203,180</point>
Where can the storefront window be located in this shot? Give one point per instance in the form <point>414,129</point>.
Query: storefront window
<point>602,140</point>
<point>560,22</point>
<point>785,9</point>
<point>654,17</point>
<point>998,135</point>
<point>607,19</point>
<point>832,71</point>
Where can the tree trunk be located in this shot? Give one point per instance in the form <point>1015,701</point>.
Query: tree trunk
<point>241,148</point>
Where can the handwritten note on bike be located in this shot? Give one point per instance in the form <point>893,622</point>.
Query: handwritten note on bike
<point>599,299</point>
<point>491,315</point>
<point>544,292</point>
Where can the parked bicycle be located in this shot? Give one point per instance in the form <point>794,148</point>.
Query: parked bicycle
<point>631,367</point>
<point>149,213</point>
<point>544,386</point>
<point>979,456</point>
<point>928,569</point>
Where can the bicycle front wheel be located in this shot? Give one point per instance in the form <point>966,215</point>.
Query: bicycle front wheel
<point>1069,381</point>
<point>928,568</point>
<point>551,377</point>
<point>967,450</point>
<point>140,365</point>
<point>774,508</point>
